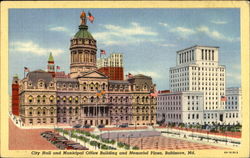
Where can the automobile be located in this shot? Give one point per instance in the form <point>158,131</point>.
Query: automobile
<point>77,126</point>
<point>101,126</point>
<point>86,126</point>
<point>49,135</point>
<point>54,137</point>
<point>77,147</point>
<point>69,142</point>
<point>58,139</point>
<point>123,125</point>
<point>46,132</point>
<point>60,145</point>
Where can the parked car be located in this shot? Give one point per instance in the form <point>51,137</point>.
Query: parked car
<point>77,126</point>
<point>45,132</point>
<point>86,126</point>
<point>56,139</point>
<point>101,126</point>
<point>123,125</point>
<point>60,145</point>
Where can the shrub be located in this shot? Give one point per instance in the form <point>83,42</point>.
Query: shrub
<point>93,143</point>
<point>120,144</point>
<point>135,148</point>
<point>127,147</point>
<point>104,147</point>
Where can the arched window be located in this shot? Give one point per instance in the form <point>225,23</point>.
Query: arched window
<point>30,99</point>
<point>64,110</point>
<point>91,86</point>
<point>110,99</point>
<point>51,110</point>
<point>58,99</point>
<point>103,99</point>
<point>76,99</point>
<point>92,99</point>
<point>84,86</point>
<point>39,111</point>
<point>84,99</point>
<point>30,111</point>
<point>44,111</point>
<point>96,86</point>
<point>44,98</point>
<point>51,99</point>
<point>64,99</point>
<point>70,99</point>
<point>76,110</point>
<point>38,99</point>
<point>143,99</point>
<point>126,99</point>
<point>103,86</point>
<point>138,100</point>
<point>70,110</point>
<point>146,99</point>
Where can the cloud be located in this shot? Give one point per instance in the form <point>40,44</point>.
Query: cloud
<point>167,45</point>
<point>214,34</point>
<point>219,22</point>
<point>163,24</point>
<point>185,32</point>
<point>32,48</point>
<point>152,74</point>
<point>61,29</point>
<point>119,35</point>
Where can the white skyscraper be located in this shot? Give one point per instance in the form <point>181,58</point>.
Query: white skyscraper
<point>114,60</point>
<point>198,70</point>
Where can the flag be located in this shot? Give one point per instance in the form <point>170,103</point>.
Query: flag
<point>26,69</point>
<point>58,67</point>
<point>102,51</point>
<point>223,98</point>
<point>98,93</point>
<point>153,93</point>
<point>103,92</point>
<point>91,17</point>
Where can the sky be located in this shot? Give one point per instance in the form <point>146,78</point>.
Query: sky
<point>148,38</point>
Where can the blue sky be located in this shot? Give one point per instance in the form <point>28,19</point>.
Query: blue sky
<point>148,38</point>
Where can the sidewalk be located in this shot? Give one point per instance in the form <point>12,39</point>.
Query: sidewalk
<point>184,135</point>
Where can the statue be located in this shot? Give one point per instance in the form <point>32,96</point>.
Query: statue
<point>83,18</point>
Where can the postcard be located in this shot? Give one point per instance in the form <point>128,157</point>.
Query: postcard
<point>126,79</point>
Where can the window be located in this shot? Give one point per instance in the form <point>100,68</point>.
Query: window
<point>51,120</point>
<point>44,99</point>
<point>30,99</point>
<point>38,99</point>
<point>51,99</point>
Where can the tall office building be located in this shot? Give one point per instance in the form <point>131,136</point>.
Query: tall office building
<point>197,73</point>
<point>112,66</point>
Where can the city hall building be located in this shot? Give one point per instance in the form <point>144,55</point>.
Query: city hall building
<point>197,90</point>
<point>85,95</point>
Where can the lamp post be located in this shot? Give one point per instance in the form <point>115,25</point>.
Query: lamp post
<point>207,136</point>
<point>141,140</point>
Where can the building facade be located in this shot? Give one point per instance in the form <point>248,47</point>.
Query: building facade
<point>112,66</point>
<point>85,96</point>
<point>197,74</point>
<point>233,106</point>
<point>180,107</point>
